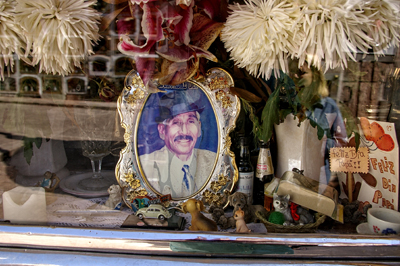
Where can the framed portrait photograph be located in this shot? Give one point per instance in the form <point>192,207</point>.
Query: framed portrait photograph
<point>177,140</point>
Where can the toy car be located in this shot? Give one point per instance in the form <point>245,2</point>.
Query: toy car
<point>154,211</point>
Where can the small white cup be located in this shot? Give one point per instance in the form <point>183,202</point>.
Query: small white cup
<point>383,221</point>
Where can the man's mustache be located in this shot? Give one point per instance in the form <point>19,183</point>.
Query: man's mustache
<point>183,137</point>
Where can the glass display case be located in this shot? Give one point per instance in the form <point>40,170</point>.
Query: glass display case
<point>121,124</point>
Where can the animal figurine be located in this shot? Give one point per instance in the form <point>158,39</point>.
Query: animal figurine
<point>218,215</point>
<point>293,214</point>
<point>241,226</point>
<point>115,196</point>
<point>239,200</point>
<point>199,221</point>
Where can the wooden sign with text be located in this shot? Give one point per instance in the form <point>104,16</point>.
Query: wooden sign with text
<point>349,160</point>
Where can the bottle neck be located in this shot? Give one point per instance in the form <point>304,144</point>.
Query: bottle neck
<point>244,152</point>
<point>265,169</point>
<point>264,150</point>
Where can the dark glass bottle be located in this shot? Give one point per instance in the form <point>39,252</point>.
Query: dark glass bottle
<point>264,174</point>
<point>246,170</point>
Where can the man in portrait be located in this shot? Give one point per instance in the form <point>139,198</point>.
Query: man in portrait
<point>178,168</point>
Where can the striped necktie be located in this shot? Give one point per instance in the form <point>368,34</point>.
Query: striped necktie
<point>188,185</point>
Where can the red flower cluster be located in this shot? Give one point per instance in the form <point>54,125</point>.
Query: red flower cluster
<point>173,33</point>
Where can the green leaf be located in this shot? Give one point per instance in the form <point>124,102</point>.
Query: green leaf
<point>350,120</point>
<point>28,151</point>
<point>270,116</point>
<point>357,139</point>
<point>309,95</point>
<point>284,112</point>
<point>38,142</point>
<point>249,109</point>
<point>320,130</point>
<point>28,147</point>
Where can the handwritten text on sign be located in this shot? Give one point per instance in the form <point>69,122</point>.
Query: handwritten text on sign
<point>348,160</point>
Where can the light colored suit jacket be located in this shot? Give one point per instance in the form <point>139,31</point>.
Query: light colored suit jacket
<point>156,167</point>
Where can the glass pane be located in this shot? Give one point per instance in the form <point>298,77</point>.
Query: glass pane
<point>317,129</point>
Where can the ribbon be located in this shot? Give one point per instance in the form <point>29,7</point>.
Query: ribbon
<point>293,211</point>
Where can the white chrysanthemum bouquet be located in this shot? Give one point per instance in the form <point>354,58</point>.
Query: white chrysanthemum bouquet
<point>12,38</point>
<point>60,33</point>
<point>56,34</point>
<point>262,34</point>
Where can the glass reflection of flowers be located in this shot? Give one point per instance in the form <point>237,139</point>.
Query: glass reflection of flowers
<point>59,34</point>
<point>176,34</point>
<point>106,89</point>
<point>263,35</point>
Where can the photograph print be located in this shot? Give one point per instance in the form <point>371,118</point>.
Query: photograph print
<point>177,140</point>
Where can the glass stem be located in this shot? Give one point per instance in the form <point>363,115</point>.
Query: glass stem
<point>96,171</point>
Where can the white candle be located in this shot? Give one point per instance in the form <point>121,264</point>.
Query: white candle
<point>25,205</point>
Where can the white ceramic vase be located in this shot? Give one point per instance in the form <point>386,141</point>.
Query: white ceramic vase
<point>50,156</point>
<point>299,147</point>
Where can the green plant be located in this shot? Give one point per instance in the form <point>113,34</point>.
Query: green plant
<point>300,93</point>
<point>28,147</point>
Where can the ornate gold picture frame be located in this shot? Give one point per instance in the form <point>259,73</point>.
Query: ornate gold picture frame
<point>190,122</point>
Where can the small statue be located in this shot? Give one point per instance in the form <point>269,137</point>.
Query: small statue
<point>115,197</point>
<point>199,221</point>
<point>49,182</point>
<point>293,214</point>
<point>240,200</point>
<point>355,212</point>
<point>241,226</point>
<point>218,215</point>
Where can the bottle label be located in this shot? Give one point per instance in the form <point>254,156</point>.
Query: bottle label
<point>245,185</point>
<point>264,164</point>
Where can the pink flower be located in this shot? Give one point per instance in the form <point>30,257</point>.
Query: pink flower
<point>168,32</point>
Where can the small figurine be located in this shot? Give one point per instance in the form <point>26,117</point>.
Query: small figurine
<point>241,226</point>
<point>199,221</point>
<point>293,214</point>
<point>49,182</point>
<point>239,200</point>
<point>355,212</point>
<point>218,215</point>
<point>115,197</point>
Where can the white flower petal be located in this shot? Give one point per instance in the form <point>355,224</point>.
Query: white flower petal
<point>60,33</point>
<point>12,38</point>
<point>260,34</point>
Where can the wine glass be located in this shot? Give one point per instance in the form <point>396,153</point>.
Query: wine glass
<point>96,127</point>
<point>95,151</point>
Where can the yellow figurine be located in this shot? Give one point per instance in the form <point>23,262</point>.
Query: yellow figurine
<point>199,221</point>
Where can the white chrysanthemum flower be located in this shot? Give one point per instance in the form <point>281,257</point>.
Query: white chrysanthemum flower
<point>261,34</point>
<point>385,23</point>
<point>12,38</point>
<point>333,32</point>
<point>60,33</point>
